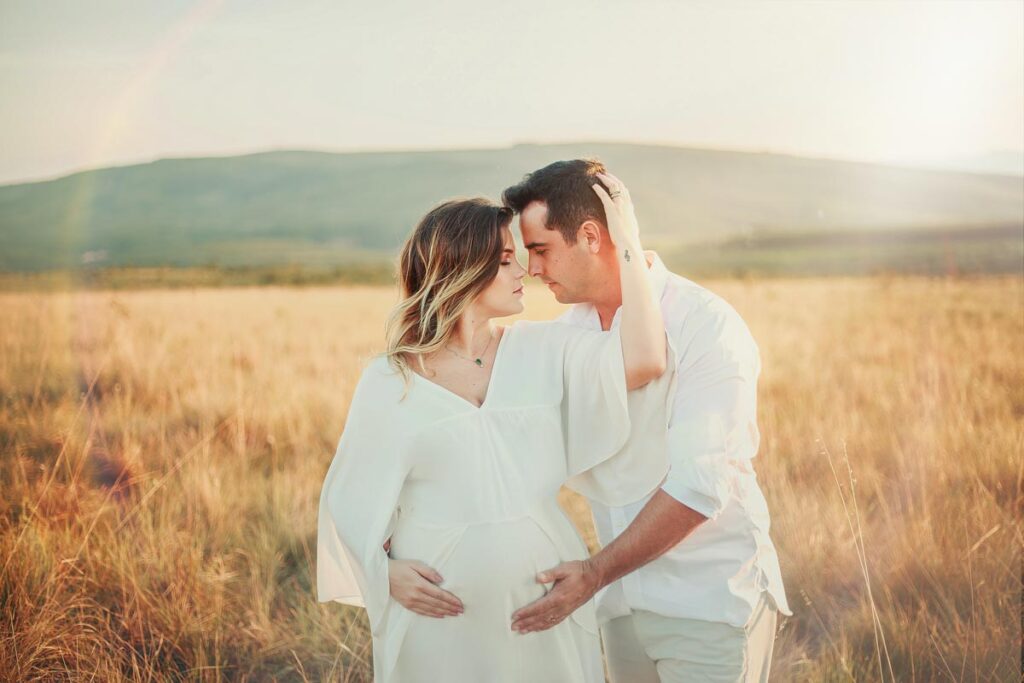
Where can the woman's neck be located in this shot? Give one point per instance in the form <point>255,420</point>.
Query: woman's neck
<point>473,334</point>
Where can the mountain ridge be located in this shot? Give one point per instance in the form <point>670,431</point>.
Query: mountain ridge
<point>321,207</point>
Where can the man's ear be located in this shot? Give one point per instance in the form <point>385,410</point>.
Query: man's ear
<point>589,234</point>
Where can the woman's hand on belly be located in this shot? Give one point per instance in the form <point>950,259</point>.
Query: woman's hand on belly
<point>414,587</point>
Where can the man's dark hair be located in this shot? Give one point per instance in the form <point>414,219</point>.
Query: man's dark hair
<point>567,189</point>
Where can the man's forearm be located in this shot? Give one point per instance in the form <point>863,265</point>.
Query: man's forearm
<point>662,524</point>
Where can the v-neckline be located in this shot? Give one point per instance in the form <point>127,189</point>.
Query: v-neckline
<point>490,380</point>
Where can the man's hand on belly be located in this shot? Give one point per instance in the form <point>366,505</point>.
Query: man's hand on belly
<point>575,583</point>
<point>661,525</point>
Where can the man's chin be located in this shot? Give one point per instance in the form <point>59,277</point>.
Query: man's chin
<point>556,291</point>
<point>563,296</point>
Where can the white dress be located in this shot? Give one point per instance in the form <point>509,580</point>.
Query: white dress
<point>472,493</point>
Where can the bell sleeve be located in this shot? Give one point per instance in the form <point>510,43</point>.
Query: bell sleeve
<point>595,415</point>
<point>616,441</point>
<point>359,498</point>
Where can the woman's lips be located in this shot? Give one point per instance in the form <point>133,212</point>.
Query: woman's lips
<point>518,292</point>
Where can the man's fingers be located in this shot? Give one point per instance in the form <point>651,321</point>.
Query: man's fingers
<point>538,624</point>
<point>540,607</point>
<point>553,574</point>
<point>444,597</point>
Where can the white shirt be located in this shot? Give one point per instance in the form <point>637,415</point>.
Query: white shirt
<point>720,570</point>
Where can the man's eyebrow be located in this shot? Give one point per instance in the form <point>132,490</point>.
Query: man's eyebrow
<point>534,245</point>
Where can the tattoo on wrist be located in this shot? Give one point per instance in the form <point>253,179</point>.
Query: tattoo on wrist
<point>626,255</point>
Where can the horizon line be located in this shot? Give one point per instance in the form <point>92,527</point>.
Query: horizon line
<point>426,149</point>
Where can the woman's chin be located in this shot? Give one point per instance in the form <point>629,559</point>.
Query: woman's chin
<point>515,308</point>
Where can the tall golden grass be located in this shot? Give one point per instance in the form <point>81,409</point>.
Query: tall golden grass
<point>162,455</point>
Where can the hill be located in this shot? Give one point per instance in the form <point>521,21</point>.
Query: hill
<point>319,209</point>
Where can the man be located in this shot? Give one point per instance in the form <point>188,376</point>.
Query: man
<point>690,576</point>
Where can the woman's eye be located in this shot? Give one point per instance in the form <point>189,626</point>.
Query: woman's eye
<point>506,263</point>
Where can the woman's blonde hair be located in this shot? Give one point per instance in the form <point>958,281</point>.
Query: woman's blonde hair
<point>449,259</point>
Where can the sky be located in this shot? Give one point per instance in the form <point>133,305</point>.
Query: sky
<point>99,83</point>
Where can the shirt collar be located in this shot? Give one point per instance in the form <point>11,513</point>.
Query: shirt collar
<point>659,274</point>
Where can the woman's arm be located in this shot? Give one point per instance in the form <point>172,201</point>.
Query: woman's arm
<point>641,326</point>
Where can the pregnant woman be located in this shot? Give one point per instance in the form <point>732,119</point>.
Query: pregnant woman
<point>459,437</point>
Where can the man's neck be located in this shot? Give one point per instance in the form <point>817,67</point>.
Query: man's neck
<point>606,309</point>
<point>611,301</point>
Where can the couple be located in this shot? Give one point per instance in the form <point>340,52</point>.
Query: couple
<point>439,514</point>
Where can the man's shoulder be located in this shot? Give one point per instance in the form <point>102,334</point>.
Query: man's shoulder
<point>697,317</point>
<point>686,300</point>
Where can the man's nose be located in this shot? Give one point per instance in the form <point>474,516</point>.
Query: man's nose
<point>534,266</point>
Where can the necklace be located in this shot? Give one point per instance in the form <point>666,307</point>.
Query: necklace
<point>479,361</point>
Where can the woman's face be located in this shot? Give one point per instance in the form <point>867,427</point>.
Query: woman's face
<point>504,296</point>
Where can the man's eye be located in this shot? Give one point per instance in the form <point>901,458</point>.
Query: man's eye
<point>539,252</point>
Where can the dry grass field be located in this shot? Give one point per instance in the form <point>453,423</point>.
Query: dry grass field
<point>162,455</point>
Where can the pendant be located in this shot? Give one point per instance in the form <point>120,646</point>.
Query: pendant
<point>479,363</point>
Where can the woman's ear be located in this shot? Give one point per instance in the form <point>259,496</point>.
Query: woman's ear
<point>589,234</point>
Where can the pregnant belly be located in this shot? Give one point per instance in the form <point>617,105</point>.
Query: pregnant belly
<point>491,567</point>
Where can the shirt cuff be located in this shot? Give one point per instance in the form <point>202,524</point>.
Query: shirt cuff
<point>704,485</point>
<point>701,476</point>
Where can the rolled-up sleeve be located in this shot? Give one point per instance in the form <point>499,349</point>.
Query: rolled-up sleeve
<point>713,431</point>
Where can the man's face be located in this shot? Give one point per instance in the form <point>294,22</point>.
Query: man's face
<point>564,268</point>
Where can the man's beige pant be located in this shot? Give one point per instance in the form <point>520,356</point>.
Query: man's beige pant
<point>645,647</point>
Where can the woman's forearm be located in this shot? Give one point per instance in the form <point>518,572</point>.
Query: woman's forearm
<point>641,325</point>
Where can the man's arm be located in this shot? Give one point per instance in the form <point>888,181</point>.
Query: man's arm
<point>660,526</point>
<point>713,424</point>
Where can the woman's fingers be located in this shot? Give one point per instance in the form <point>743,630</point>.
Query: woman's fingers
<point>426,611</point>
<point>443,596</point>
<point>435,607</point>
<point>419,601</point>
<point>426,572</point>
<point>618,207</point>
<point>430,588</point>
<point>615,186</point>
<point>603,196</point>
<point>434,604</point>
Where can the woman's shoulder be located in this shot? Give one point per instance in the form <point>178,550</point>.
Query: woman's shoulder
<point>380,380</point>
<point>384,398</point>
<point>379,365</point>
<point>378,368</point>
